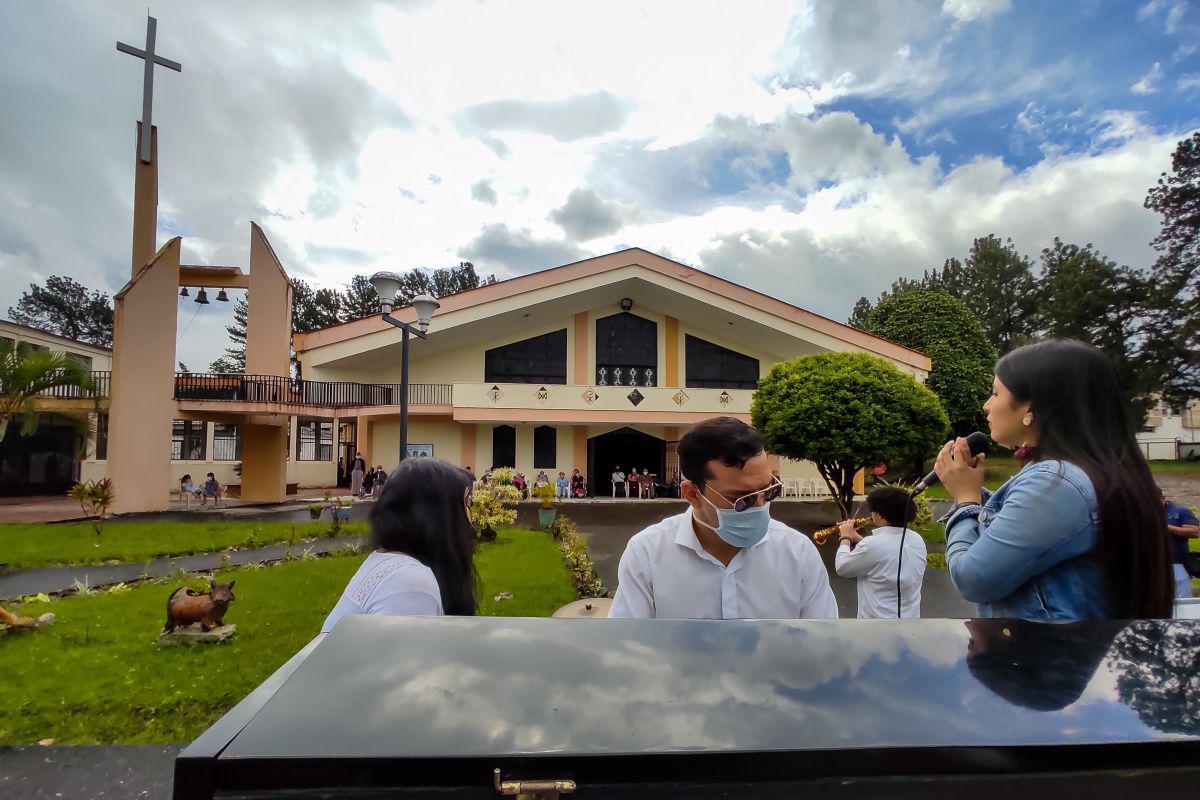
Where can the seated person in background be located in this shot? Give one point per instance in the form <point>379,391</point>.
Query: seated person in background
<point>542,478</point>
<point>578,487</point>
<point>647,484</point>
<point>618,479</point>
<point>724,558</point>
<point>369,481</point>
<point>422,545</point>
<point>634,485</point>
<point>875,560</point>
<point>1182,525</point>
<point>211,489</point>
<point>187,487</point>
<point>380,478</point>
<point>518,481</point>
<point>563,485</point>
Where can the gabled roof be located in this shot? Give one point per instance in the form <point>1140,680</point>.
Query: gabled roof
<point>634,256</point>
<point>76,342</point>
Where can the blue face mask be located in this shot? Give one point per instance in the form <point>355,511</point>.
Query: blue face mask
<point>739,528</point>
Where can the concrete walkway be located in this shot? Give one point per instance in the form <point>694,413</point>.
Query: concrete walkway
<point>58,579</point>
<point>88,772</point>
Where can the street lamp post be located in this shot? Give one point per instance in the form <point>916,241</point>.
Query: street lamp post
<point>387,285</point>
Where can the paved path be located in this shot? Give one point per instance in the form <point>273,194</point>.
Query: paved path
<point>57,579</point>
<point>88,772</point>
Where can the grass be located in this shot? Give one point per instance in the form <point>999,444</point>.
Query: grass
<point>999,469</point>
<point>25,546</point>
<point>96,676</point>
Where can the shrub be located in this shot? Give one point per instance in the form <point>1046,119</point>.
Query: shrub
<point>494,503</point>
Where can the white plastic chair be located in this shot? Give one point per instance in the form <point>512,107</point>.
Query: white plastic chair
<point>624,487</point>
<point>791,485</point>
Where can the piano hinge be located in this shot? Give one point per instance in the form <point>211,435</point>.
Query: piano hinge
<point>534,790</point>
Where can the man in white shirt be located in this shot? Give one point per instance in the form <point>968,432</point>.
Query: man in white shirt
<point>876,559</point>
<point>724,558</point>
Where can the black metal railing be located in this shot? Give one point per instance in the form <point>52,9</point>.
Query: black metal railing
<point>292,391</point>
<point>98,386</point>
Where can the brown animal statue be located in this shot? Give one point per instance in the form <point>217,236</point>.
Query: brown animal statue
<point>185,607</point>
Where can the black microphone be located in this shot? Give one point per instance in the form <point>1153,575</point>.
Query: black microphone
<point>978,442</point>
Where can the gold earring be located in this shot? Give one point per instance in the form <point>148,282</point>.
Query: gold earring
<point>1028,420</point>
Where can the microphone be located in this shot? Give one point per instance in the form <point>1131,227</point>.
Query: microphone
<point>977,442</point>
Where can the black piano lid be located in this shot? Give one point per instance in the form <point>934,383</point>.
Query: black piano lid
<point>404,690</point>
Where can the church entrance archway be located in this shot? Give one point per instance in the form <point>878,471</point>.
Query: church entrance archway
<point>628,449</point>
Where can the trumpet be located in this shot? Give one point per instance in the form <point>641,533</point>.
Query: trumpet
<point>820,536</point>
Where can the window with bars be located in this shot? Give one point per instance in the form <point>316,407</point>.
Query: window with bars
<point>314,440</point>
<point>545,447</point>
<point>227,441</point>
<point>542,359</point>
<point>710,366</point>
<point>626,351</point>
<point>188,440</point>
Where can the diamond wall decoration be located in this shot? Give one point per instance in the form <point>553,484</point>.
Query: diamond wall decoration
<point>589,396</point>
<point>542,395</point>
<point>680,397</point>
<point>725,398</point>
<point>635,397</point>
<point>495,394</point>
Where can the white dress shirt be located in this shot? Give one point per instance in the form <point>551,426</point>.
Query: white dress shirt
<point>874,561</point>
<point>666,574</point>
<point>389,583</point>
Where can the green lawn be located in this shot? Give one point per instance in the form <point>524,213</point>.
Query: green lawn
<point>24,546</point>
<point>96,676</point>
<point>1000,468</point>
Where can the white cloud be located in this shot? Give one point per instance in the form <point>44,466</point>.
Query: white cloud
<point>970,10</point>
<point>1147,84</point>
<point>1189,81</point>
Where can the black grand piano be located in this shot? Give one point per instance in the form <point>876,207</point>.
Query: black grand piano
<point>486,707</point>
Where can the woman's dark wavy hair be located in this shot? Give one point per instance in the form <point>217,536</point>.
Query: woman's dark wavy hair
<point>420,513</point>
<point>1082,417</point>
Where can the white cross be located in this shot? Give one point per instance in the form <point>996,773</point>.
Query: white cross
<point>148,81</point>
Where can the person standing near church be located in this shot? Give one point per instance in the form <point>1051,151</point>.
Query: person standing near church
<point>1183,527</point>
<point>358,470</point>
<point>723,558</point>
<point>875,560</point>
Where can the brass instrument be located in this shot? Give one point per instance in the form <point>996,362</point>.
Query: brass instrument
<point>820,536</point>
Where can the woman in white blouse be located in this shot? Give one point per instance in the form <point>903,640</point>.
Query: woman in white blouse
<point>422,545</point>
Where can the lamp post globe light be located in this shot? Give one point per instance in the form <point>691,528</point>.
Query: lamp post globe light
<point>387,286</point>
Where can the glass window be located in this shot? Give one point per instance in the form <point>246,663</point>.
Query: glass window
<point>545,447</point>
<point>626,351</point>
<point>710,366</point>
<point>227,441</point>
<point>504,446</point>
<point>188,440</point>
<point>542,359</point>
<point>315,440</point>
<point>83,361</point>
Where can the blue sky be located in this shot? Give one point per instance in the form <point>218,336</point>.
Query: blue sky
<point>812,150</point>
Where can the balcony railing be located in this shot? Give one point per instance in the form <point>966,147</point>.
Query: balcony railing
<point>275,389</point>
<point>292,391</point>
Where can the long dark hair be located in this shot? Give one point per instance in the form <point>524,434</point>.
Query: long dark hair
<point>420,513</point>
<point>1081,417</point>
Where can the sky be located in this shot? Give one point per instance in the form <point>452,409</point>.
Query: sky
<point>814,151</point>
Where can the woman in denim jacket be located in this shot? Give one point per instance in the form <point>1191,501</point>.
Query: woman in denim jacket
<point>1079,532</point>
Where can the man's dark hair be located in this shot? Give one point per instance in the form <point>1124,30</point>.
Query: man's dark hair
<point>724,439</point>
<point>894,505</point>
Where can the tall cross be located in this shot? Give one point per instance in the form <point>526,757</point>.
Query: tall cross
<point>149,56</point>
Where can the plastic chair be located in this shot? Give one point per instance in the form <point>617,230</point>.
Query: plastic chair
<point>791,485</point>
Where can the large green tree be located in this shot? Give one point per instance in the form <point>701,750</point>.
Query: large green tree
<point>1173,327</point>
<point>948,332</point>
<point>67,308</point>
<point>845,412</point>
<point>1084,295</point>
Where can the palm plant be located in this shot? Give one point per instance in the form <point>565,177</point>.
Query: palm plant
<point>26,373</point>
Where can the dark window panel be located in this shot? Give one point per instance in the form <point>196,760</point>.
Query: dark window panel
<point>710,366</point>
<point>545,447</point>
<point>626,342</point>
<point>542,359</point>
<point>504,446</point>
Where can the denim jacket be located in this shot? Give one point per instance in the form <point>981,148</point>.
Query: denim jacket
<point>1027,553</point>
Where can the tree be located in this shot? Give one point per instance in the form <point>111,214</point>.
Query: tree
<point>944,329</point>
<point>68,309</point>
<point>234,360</point>
<point>844,412</point>
<point>360,299</point>
<point>998,285</point>
<point>1083,295</point>
<point>25,373</point>
<point>1174,324</point>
